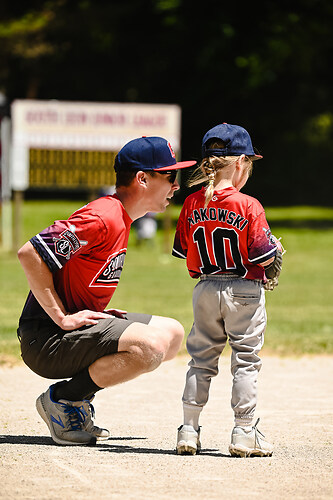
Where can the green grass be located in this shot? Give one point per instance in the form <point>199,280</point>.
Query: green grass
<point>300,313</point>
<point>37,215</point>
<point>300,213</point>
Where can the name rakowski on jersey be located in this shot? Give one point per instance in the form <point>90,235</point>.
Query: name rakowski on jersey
<point>109,274</point>
<point>217,214</point>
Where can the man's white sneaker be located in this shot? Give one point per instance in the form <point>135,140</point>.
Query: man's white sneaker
<point>88,425</point>
<point>64,419</point>
<point>188,440</point>
<point>249,444</point>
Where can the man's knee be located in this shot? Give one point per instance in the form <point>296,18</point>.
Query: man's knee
<point>173,332</point>
<point>149,352</point>
<point>177,336</point>
<point>177,331</point>
<point>147,345</point>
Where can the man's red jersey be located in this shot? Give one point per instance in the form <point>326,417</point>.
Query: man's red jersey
<point>86,255</point>
<point>231,235</point>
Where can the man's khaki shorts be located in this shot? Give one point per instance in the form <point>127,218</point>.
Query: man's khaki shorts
<point>54,353</point>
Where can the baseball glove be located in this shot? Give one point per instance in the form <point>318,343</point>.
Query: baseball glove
<point>273,270</point>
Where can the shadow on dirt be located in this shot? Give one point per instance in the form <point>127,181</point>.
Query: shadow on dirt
<point>39,440</point>
<point>46,440</point>
<point>113,448</point>
<point>104,446</point>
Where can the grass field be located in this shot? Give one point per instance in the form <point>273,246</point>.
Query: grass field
<point>300,313</point>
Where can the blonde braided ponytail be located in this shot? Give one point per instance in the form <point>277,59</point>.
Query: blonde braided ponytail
<point>210,171</point>
<point>206,172</point>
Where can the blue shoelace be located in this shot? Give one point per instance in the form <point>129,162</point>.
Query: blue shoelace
<point>75,416</point>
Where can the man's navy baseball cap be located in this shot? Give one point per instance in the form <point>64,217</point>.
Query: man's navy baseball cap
<point>149,153</point>
<point>236,139</point>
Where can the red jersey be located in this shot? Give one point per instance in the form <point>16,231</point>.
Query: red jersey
<point>231,235</point>
<point>86,255</point>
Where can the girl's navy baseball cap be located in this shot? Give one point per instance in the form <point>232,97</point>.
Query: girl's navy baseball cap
<point>236,139</point>
<point>149,153</point>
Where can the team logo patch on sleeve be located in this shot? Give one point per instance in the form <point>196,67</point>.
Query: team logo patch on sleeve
<point>109,274</point>
<point>67,244</point>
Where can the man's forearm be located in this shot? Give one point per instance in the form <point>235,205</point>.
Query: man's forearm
<point>41,283</point>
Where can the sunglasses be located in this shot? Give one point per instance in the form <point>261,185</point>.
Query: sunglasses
<point>171,173</point>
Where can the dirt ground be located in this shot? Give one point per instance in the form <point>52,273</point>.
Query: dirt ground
<point>138,461</point>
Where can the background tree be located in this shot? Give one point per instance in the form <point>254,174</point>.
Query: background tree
<point>264,65</point>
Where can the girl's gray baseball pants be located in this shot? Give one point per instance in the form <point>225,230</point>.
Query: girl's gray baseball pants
<point>226,307</point>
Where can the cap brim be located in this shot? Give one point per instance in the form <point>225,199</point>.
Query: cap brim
<point>176,166</point>
<point>255,157</point>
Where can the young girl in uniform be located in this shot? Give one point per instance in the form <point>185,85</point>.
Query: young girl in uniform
<point>226,241</point>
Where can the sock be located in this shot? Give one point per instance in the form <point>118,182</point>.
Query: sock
<point>244,422</point>
<point>246,428</point>
<point>80,387</point>
<point>191,415</point>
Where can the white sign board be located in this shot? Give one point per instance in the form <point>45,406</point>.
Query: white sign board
<point>84,126</point>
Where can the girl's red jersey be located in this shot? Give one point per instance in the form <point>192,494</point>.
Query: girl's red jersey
<point>231,235</point>
<point>86,255</point>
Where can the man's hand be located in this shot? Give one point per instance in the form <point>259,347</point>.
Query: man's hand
<point>81,318</point>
